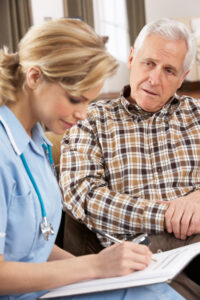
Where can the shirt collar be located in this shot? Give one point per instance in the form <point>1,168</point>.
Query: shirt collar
<point>16,132</point>
<point>134,109</point>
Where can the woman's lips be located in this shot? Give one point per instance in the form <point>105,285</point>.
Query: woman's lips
<point>67,124</point>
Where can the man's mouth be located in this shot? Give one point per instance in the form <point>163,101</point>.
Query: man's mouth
<point>150,92</point>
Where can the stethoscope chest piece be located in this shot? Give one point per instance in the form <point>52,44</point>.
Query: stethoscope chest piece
<point>46,229</point>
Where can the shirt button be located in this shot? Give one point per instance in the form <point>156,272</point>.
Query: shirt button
<point>69,206</point>
<point>159,170</point>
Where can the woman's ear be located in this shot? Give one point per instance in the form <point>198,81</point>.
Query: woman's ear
<point>33,77</point>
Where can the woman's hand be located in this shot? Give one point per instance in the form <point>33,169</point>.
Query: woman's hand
<point>122,259</point>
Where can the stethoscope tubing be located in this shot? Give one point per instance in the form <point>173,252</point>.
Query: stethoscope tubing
<point>34,184</point>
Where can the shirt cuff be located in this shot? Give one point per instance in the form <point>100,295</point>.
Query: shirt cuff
<point>154,218</point>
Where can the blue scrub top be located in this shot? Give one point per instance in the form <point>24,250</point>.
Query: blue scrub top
<point>20,212</point>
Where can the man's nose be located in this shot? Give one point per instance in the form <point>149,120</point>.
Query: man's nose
<point>155,77</point>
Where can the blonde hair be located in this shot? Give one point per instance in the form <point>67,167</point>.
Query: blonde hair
<point>68,52</point>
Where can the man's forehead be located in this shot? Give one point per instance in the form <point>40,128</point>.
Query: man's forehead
<point>156,41</point>
<point>158,48</point>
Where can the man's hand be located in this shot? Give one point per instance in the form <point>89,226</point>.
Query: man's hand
<point>182,216</point>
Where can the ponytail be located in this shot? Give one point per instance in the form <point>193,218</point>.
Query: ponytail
<point>9,76</point>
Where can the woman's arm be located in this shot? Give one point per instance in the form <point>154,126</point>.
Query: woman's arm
<point>117,260</point>
<point>57,253</point>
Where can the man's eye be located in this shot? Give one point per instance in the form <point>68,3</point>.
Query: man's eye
<point>170,71</point>
<point>74,101</point>
<point>149,63</point>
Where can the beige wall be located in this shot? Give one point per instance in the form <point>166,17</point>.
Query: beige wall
<point>171,8</point>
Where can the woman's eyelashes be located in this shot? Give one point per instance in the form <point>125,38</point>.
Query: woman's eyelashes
<point>74,101</point>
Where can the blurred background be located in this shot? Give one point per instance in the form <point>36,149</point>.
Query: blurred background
<point>118,20</point>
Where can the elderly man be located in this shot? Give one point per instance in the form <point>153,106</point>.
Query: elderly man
<point>134,165</point>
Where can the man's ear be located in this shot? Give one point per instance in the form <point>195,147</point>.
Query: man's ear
<point>33,77</point>
<point>184,76</point>
<point>130,58</point>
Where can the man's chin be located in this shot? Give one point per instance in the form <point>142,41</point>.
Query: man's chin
<point>146,103</point>
<point>148,107</point>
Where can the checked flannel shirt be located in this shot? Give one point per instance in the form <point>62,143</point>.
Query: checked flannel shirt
<point>118,162</point>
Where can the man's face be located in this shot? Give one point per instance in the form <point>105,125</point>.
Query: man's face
<point>156,72</point>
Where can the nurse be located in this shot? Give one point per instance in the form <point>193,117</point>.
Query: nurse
<point>59,68</point>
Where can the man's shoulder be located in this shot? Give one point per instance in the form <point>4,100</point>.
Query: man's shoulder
<point>190,103</point>
<point>105,104</point>
<point>104,108</point>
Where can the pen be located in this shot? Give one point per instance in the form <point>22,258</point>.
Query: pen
<point>141,239</point>
<point>111,238</point>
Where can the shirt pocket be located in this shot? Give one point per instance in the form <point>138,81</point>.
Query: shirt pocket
<point>22,227</point>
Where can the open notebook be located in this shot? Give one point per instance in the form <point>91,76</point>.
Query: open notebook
<point>168,264</point>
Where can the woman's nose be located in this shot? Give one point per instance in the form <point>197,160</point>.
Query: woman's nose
<point>81,115</point>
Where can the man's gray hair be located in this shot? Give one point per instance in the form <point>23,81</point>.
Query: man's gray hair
<point>171,30</point>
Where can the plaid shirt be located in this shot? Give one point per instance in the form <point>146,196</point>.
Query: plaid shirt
<point>116,164</point>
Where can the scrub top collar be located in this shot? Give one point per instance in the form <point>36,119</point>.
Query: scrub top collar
<point>20,140</point>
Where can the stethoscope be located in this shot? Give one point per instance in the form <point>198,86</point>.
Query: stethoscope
<point>45,226</point>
